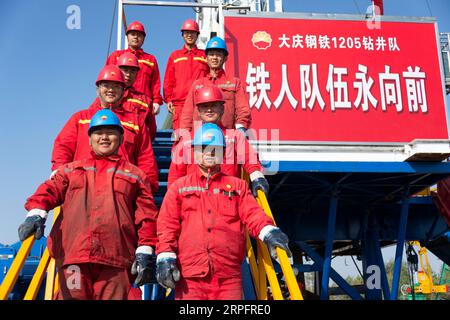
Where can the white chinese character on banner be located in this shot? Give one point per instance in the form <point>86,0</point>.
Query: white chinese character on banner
<point>390,89</point>
<point>297,41</point>
<point>257,76</point>
<point>285,90</point>
<point>341,99</point>
<point>393,44</point>
<point>307,91</point>
<point>415,89</point>
<point>368,43</point>
<point>363,86</point>
<point>380,44</point>
<point>284,41</point>
<point>324,42</point>
<point>311,41</point>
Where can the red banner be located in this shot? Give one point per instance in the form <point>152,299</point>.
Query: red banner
<point>339,81</point>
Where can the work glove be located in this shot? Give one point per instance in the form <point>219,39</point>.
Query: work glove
<point>260,184</point>
<point>276,238</point>
<point>242,129</point>
<point>155,108</point>
<point>144,267</point>
<point>170,107</point>
<point>33,224</point>
<point>167,272</point>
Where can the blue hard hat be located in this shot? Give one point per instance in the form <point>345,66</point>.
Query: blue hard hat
<point>209,134</point>
<point>216,43</point>
<point>104,117</point>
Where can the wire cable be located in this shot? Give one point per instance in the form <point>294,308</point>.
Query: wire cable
<point>111,29</point>
<point>357,7</point>
<point>359,271</point>
<point>429,7</point>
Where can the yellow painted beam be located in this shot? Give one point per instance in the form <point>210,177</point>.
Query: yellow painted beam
<point>262,281</point>
<point>50,284</point>
<point>270,271</point>
<point>252,262</point>
<point>13,273</point>
<point>38,276</point>
<point>289,276</point>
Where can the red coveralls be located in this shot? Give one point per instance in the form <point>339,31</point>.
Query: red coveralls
<point>183,67</point>
<point>107,210</point>
<point>141,104</point>
<point>204,225</point>
<point>237,109</point>
<point>238,153</point>
<point>147,79</point>
<point>72,143</point>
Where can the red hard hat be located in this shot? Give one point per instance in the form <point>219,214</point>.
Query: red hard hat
<point>208,94</point>
<point>136,26</point>
<point>110,73</point>
<point>190,25</point>
<point>128,59</point>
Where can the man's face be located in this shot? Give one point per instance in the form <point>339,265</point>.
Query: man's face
<point>135,39</point>
<point>129,73</point>
<point>216,58</point>
<point>208,157</point>
<point>110,92</point>
<point>105,141</point>
<point>190,37</point>
<point>210,112</point>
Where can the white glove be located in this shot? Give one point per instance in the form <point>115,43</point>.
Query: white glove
<point>155,108</point>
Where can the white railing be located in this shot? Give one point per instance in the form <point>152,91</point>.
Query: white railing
<point>445,49</point>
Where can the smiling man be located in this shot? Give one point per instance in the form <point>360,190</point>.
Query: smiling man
<point>106,230</point>
<point>184,66</point>
<point>238,152</point>
<point>201,224</point>
<point>148,78</point>
<point>72,144</point>
<point>236,109</point>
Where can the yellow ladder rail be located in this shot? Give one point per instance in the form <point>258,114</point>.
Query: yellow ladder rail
<point>262,277</point>
<point>51,285</point>
<point>252,262</point>
<point>44,263</point>
<point>270,271</point>
<point>286,267</point>
<point>38,276</point>
<point>17,265</point>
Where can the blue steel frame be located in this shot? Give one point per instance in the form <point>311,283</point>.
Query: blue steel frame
<point>415,173</point>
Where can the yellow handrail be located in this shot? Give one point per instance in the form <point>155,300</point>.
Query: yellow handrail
<point>252,262</point>
<point>270,271</point>
<point>286,267</point>
<point>51,284</point>
<point>38,276</point>
<point>45,263</point>
<point>17,265</point>
<point>262,277</point>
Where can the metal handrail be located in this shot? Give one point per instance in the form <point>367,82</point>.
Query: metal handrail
<point>16,266</point>
<point>286,267</point>
<point>45,264</point>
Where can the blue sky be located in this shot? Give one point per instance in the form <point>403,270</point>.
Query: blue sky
<point>49,73</point>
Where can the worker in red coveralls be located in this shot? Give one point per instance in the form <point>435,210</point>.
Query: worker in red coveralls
<point>147,80</point>
<point>238,152</point>
<point>134,100</point>
<point>107,223</point>
<point>183,67</point>
<point>201,224</point>
<point>72,144</point>
<point>237,110</point>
